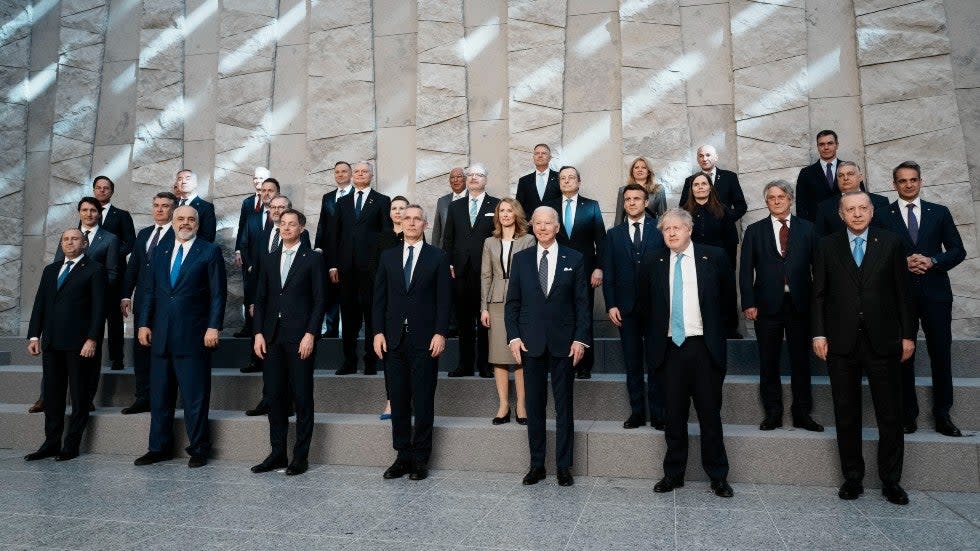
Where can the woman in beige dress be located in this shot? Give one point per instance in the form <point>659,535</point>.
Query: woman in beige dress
<point>509,237</point>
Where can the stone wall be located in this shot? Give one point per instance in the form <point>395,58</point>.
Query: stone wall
<point>137,90</point>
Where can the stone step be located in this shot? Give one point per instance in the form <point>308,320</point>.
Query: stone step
<point>601,398</point>
<point>602,448</point>
<point>743,356</point>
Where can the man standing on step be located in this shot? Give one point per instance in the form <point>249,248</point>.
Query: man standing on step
<point>181,316</point>
<point>66,323</point>
<point>253,242</point>
<point>251,204</point>
<point>186,192</point>
<point>412,299</point>
<point>118,222</point>
<point>328,209</point>
<point>862,325</point>
<point>541,186</point>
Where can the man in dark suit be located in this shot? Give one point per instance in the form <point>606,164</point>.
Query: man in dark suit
<point>726,186</point>
<point>582,229</point>
<point>252,242</point>
<point>549,326</point>
<point>862,325</point>
<point>541,186</point>
<point>468,225</point>
<point>328,209</point>
<point>139,267</point>
<point>849,180</point>
<point>775,279</point>
<point>626,259</point>
<point>118,222</point>
<point>289,310</point>
<point>66,323</point>
<point>181,316</point>
<point>250,205</point>
<point>186,186</point>
<point>691,290</point>
<point>457,185</point>
<point>933,247</point>
<point>818,182</point>
<point>361,217</point>
<point>411,314</point>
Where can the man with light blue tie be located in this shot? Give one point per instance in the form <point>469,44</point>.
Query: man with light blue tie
<point>692,289</point>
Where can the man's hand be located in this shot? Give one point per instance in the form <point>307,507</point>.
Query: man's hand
<point>576,352</point>
<point>485,318</point>
<point>596,278</point>
<point>751,314</point>
<point>919,264</point>
<point>88,349</point>
<point>516,347</point>
<point>306,346</point>
<point>211,337</point>
<point>145,336</point>
<point>438,345</point>
<point>334,276</point>
<point>615,317</point>
<point>908,348</point>
<point>259,346</point>
<point>452,272</point>
<point>238,259</point>
<point>34,347</point>
<point>125,306</point>
<point>820,348</point>
<point>380,346</point>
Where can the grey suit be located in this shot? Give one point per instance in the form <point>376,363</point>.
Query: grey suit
<point>439,225</point>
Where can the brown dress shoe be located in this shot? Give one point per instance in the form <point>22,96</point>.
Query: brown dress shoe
<point>38,407</point>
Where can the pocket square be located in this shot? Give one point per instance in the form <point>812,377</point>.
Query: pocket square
<point>567,269</point>
<point>488,214</point>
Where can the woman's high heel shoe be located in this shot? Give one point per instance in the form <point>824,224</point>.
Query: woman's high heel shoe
<point>521,420</point>
<point>502,420</point>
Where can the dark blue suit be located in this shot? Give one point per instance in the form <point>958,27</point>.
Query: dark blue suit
<point>119,223</point>
<point>626,269</point>
<point>206,219</point>
<point>409,318</point>
<point>248,208</point>
<point>328,209</point>
<point>812,188</point>
<point>932,299</point>
<point>179,316</point>
<point>764,274</point>
<point>547,325</point>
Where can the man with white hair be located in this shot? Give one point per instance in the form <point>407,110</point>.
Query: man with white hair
<point>250,205</point>
<point>185,188</point>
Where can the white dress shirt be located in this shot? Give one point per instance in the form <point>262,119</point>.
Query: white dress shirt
<point>776,226</point>
<point>364,198</point>
<point>341,191</point>
<point>187,248</point>
<point>633,230</point>
<point>74,262</point>
<point>188,200</point>
<point>505,245</point>
<point>272,237</point>
<point>904,210</point>
<point>415,256</point>
<point>552,262</point>
<point>91,232</point>
<point>693,325</point>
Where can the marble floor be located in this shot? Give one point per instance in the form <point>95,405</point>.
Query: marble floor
<point>103,502</point>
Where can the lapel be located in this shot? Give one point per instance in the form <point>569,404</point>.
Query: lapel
<point>419,259</point>
<point>664,280</point>
<point>700,268</point>
<point>560,265</point>
<point>485,207</point>
<point>368,204</point>
<point>108,213</point>
<point>71,275</point>
<point>843,246</point>
<point>771,237</point>
<point>294,267</point>
<point>898,223</point>
<point>189,256</point>
<point>872,254</point>
<point>579,213</point>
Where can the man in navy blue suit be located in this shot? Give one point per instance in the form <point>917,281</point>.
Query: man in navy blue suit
<point>186,187</point>
<point>626,259</point>
<point>139,267</point>
<point>181,316</point>
<point>582,229</point>
<point>933,247</point>
<point>253,241</point>
<point>250,205</point>
<point>549,326</point>
<point>775,279</point>
<point>541,186</point>
<point>118,222</point>
<point>328,209</point>
<point>412,299</point>
<point>818,181</point>
<point>691,290</point>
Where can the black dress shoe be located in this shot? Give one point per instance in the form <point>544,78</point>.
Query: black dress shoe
<point>251,368</point>
<point>501,420</point>
<point>486,373</point>
<point>138,406</point>
<point>851,489</point>
<point>271,463</point>
<point>420,471</point>
<point>67,455</point>
<point>583,375</point>
<point>261,409</point>
<point>668,484</point>
<point>397,469</point>
<point>565,477</point>
<point>807,423</point>
<point>370,369</point>
<point>91,407</point>
<point>895,494</point>
<point>909,427</point>
<point>721,488</point>
<point>297,467</point>
<point>658,424</point>
<point>346,369</point>
<point>771,422</point>
<point>521,420</point>
<point>533,476</point>
<point>42,454</point>
<point>117,365</point>
<point>634,421</point>
<point>38,407</point>
<point>461,372</point>
<point>197,461</point>
<point>150,458</point>
<point>944,425</point>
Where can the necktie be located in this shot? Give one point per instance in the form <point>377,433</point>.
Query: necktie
<point>858,251</point>
<point>783,238</point>
<point>677,305</point>
<point>276,241</point>
<point>543,272</point>
<point>268,220</point>
<point>473,211</point>
<point>408,265</point>
<point>637,236</point>
<point>830,177</point>
<point>64,273</point>
<point>175,269</point>
<point>542,186</point>
<point>258,204</point>
<point>287,262</point>
<point>358,205</point>
<point>569,222</point>
<point>87,238</point>
<point>913,224</point>
<point>154,241</point>
<point>182,202</point>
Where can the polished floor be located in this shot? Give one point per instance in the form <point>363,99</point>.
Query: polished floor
<point>103,502</point>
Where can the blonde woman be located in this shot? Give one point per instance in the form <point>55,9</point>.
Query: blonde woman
<point>509,236</point>
<point>641,173</point>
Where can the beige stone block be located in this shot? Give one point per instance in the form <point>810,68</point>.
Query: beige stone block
<point>488,145</point>
<point>12,162</point>
<point>842,115</point>
<point>392,17</point>
<point>246,115</point>
<point>646,89</point>
<point>862,7</point>
<point>940,154</point>
<point>77,121</point>
<point>785,127</point>
<point>584,7</point>
<point>92,19</point>
<point>449,11</point>
<point>536,76</point>
<point>486,92</point>
<point>713,125</point>
<point>244,89</point>
<point>477,13</point>
<point>36,202</point>
<point>907,79</point>
<point>44,39</point>
<point>238,61</point>
<point>41,117</point>
<point>243,154</point>
<point>397,79</point>
<point>63,148</point>
<point>156,150</point>
<point>16,53</point>
<point>591,143</point>
<point>342,53</point>
<point>771,87</point>
<point>434,108</point>
<point>397,160</point>
<point>287,160</point>
<point>899,119</point>
<point>956,197</point>
<point>661,132</point>
<point>764,32</point>
<point>289,95</point>
<point>323,153</point>
<point>755,155</point>
<point>233,183</point>
<point>332,14</point>
<point>328,97</point>
<point>904,32</point>
<point>526,35</point>
<point>668,172</point>
<point>159,49</point>
<point>113,161</point>
<point>446,137</point>
<point>547,12</point>
<point>665,12</point>
<point>292,25</point>
<point>161,13</point>
<point>153,123</point>
<point>830,49</point>
<point>200,156</point>
<point>441,80</point>
<point>431,164</point>
<point>651,46</point>
<point>527,116</point>
<point>116,124</point>
<point>592,62</point>
<point>707,40</point>
<point>964,280</point>
<point>440,43</point>
<point>200,83</point>
<point>963,20</point>
<point>968,102</point>
<point>520,146</point>
<point>203,38</point>
<point>754,182</point>
<point>426,194</point>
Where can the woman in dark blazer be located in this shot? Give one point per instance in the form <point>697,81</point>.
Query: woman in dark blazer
<point>641,173</point>
<point>386,241</point>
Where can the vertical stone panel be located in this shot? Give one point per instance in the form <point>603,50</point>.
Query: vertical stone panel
<point>485,53</point>
<point>288,157</point>
<point>396,89</point>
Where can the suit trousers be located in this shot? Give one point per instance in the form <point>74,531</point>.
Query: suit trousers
<point>886,392</point>
<point>65,370</point>
<point>331,316</point>
<point>289,380</point>
<point>192,374</point>
<point>769,329</point>
<point>114,325</point>
<point>731,249</point>
<point>249,298</point>
<point>411,374</point>
<point>936,318</point>
<point>536,369</point>
<point>356,301</point>
<point>141,367</point>
<point>588,359</point>
<point>688,374</point>
<point>474,340</point>
<point>645,399</point>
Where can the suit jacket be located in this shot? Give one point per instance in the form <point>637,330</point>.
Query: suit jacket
<point>493,280</point>
<point>355,240</point>
<point>287,310</point>
<point>63,319</point>
<point>248,209</point>
<point>418,312</point>
<point>716,296</point>
<point>180,314</point>
<point>139,262</point>
<point>119,222</point>
<point>828,215</point>
<point>812,189</point>
<point>626,270</point>
<point>938,239</point>
<point>256,248</point>
<point>464,243</point>
<point>656,205</point>
<point>328,209</point>
<point>588,230</point>
<point>527,191</point>
<point>442,212</point>
<point>105,249</point>
<point>874,297</point>
<point>728,189</point>
<point>551,321</point>
<point>206,219</point>
<point>763,271</point>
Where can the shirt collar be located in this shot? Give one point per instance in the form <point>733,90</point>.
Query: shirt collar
<point>775,221</point>
<point>641,221</point>
<point>187,244</point>
<point>832,162</point>
<point>74,261</point>
<point>166,227</point>
<point>551,250</point>
<point>189,199</point>
<point>479,198</point>
<point>851,236</point>
<point>542,173</point>
<point>574,199</point>
<point>294,247</point>
<point>917,202</point>
<point>344,190</point>
<point>687,252</point>
<point>106,206</point>
<point>459,195</point>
